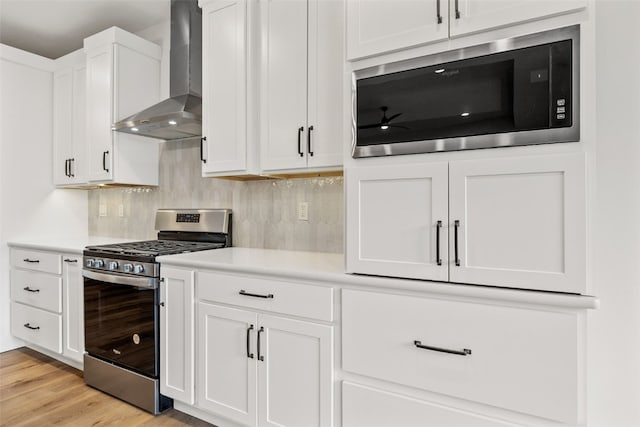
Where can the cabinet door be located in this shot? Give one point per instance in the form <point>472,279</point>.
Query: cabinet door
<point>227,375</point>
<point>284,84</point>
<point>224,101</point>
<point>379,26</point>
<point>73,307</point>
<point>176,334</point>
<point>295,373</point>
<point>62,125</point>
<point>77,164</point>
<point>326,56</point>
<point>468,16</point>
<point>100,113</point>
<point>521,222</point>
<point>396,216</point>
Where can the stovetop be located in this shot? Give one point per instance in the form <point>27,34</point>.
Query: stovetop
<point>153,248</point>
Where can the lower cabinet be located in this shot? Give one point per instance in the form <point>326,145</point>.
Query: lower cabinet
<point>243,363</point>
<point>258,369</point>
<point>524,360</point>
<point>47,305</point>
<point>367,406</point>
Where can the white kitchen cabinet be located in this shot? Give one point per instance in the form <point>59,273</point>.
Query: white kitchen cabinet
<point>69,120</point>
<point>380,26</point>
<point>227,375</point>
<point>225,34</point>
<point>470,16</point>
<point>511,222</point>
<point>262,370</point>
<point>47,301</point>
<point>474,351</point>
<point>177,334</point>
<point>301,74</point>
<point>371,407</point>
<point>73,307</point>
<point>123,78</point>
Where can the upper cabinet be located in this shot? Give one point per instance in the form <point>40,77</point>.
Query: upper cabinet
<point>376,27</point>
<point>301,74</point>
<point>513,222</point>
<point>225,33</point>
<point>69,161</point>
<point>122,78</point>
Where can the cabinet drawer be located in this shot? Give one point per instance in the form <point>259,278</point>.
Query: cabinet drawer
<point>365,406</point>
<point>37,326</point>
<point>37,289</point>
<point>46,262</point>
<point>314,302</point>
<point>524,360</point>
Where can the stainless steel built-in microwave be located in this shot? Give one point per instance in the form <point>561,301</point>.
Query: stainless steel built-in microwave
<point>518,91</point>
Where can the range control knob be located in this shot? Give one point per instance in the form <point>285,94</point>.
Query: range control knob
<point>138,269</point>
<point>99,263</point>
<point>128,268</point>
<point>113,265</point>
<point>90,262</point>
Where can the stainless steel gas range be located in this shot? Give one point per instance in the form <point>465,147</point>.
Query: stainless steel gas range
<point>121,303</point>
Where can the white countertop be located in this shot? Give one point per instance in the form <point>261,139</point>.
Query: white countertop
<point>73,245</point>
<point>317,268</point>
<point>329,269</point>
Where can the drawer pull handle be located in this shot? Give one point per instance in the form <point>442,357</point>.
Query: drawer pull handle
<point>260,331</point>
<point>33,328</point>
<point>463,352</point>
<point>31,260</point>
<point>70,260</point>
<point>28,289</point>
<point>249,294</point>
<point>438,227</point>
<point>249,354</point>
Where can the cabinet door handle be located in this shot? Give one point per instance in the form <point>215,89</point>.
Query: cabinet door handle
<point>202,141</point>
<point>28,289</point>
<point>249,354</point>
<point>260,331</point>
<point>33,328</point>
<point>66,168</point>
<point>309,149</point>
<point>438,227</point>
<point>31,260</point>
<point>71,163</point>
<point>300,130</point>
<point>70,260</point>
<point>463,352</point>
<point>456,226</point>
<point>249,294</point>
<point>438,12</point>
<point>457,6</point>
<point>162,304</point>
<point>104,161</point>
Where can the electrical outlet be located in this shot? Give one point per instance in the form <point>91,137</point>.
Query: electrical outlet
<point>103,210</point>
<point>120,211</point>
<point>303,211</point>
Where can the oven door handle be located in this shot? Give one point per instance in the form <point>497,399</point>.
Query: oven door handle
<point>140,282</point>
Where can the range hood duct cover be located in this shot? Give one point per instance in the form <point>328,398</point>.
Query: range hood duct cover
<point>179,117</point>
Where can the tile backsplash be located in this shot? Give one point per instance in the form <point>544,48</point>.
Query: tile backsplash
<point>264,212</point>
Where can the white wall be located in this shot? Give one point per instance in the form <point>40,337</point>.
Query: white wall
<point>29,204</point>
<point>614,339</point>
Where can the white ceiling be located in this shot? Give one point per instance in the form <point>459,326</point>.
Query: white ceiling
<point>53,28</point>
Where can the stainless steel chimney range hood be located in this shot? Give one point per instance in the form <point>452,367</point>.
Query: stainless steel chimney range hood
<point>179,117</point>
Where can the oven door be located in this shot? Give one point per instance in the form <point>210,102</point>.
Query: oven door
<point>120,317</point>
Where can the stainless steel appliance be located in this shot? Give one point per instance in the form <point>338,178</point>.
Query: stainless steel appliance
<point>517,91</point>
<point>121,303</point>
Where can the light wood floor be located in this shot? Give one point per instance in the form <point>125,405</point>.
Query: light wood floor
<point>36,390</point>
